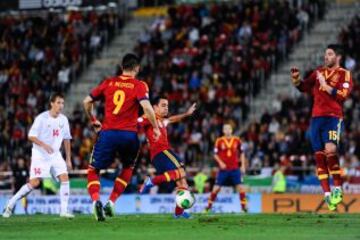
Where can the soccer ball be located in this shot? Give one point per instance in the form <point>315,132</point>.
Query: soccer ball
<point>185,199</point>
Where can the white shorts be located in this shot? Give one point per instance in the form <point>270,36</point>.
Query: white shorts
<point>46,165</point>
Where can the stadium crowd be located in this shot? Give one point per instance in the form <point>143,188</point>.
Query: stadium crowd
<point>38,55</point>
<point>218,56</point>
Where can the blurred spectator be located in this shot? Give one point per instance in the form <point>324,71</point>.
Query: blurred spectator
<point>279,180</point>
<point>200,181</point>
<point>40,54</point>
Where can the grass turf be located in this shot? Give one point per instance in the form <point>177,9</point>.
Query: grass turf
<point>229,226</point>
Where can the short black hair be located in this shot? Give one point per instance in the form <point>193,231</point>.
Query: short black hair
<point>337,48</point>
<point>156,100</point>
<point>130,61</point>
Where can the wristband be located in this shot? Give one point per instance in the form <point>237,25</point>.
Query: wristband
<point>333,92</point>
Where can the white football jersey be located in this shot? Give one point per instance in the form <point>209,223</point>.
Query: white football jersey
<point>52,131</point>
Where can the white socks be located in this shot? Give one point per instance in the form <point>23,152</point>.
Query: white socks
<point>64,196</point>
<point>327,194</point>
<point>24,190</point>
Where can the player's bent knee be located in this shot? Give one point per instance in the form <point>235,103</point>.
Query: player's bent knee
<point>182,173</point>
<point>216,189</point>
<point>64,178</point>
<point>183,183</point>
<point>239,188</point>
<point>330,148</point>
<point>34,183</point>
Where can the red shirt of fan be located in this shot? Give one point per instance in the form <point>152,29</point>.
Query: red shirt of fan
<point>122,96</point>
<point>162,143</point>
<point>228,149</point>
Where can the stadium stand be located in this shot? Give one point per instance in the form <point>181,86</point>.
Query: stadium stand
<point>40,54</point>
<point>219,56</point>
<point>189,55</point>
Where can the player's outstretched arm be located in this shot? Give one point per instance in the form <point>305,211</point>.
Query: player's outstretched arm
<point>150,114</point>
<point>305,85</point>
<point>179,117</point>
<point>88,106</point>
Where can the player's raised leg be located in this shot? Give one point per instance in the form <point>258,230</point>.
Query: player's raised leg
<point>168,168</point>
<point>24,190</point>
<point>181,185</point>
<point>168,176</point>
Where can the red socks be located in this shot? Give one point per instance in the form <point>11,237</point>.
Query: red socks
<point>120,183</point>
<point>324,163</point>
<point>211,200</point>
<point>179,210</point>
<point>322,170</point>
<point>243,201</point>
<point>93,183</point>
<point>334,167</point>
<point>168,176</point>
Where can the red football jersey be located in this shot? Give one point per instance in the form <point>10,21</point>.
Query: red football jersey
<point>163,143</point>
<point>122,95</point>
<point>228,149</point>
<point>326,104</point>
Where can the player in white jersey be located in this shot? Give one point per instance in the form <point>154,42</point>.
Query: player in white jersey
<point>47,133</point>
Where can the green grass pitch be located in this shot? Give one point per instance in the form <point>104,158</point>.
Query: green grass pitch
<point>219,227</point>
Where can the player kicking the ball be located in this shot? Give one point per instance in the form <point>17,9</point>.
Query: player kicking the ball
<point>47,133</point>
<point>167,164</point>
<point>227,151</point>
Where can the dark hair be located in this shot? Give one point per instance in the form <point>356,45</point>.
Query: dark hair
<point>130,61</point>
<point>156,100</point>
<point>337,48</point>
<point>54,96</point>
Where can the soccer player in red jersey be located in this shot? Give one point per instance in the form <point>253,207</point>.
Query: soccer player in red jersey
<point>118,133</point>
<point>168,165</point>
<point>227,151</point>
<point>330,85</point>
